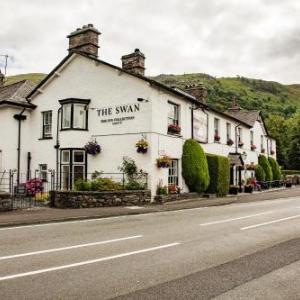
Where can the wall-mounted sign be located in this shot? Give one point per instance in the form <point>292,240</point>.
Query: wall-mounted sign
<point>200,127</point>
<point>119,113</point>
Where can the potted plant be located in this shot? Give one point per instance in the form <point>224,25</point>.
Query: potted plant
<point>92,148</point>
<point>233,189</point>
<point>263,150</point>
<point>174,129</point>
<point>161,189</point>
<point>163,162</point>
<point>173,189</point>
<point>217,138</point>
<point>248,187</point>
<point>241,144</point>
<point>142,146</point>
<point>253,147</point>
<point>230,142</point>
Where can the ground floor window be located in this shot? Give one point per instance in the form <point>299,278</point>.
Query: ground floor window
<point>73,166</point>
<point>43,172</point>
<point>173,173</point>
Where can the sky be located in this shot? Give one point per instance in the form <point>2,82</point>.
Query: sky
<point>251,38</point>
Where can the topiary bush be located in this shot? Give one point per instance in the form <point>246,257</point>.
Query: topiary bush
<point>260,173</point>
<point>275,168</point>
<point>219,171</point>
<point>264,163</point>
<point>194,167</point>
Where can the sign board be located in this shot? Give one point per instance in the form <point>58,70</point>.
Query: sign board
<point>200,126</point>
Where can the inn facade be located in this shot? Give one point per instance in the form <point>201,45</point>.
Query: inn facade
<point>87,99</point>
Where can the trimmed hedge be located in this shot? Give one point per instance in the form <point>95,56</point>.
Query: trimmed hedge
<point>219,172</point>
<point>275,168</point>
<point>263,161</point>
<point>194,167</point>
<point>260,173</point>
<point>290,172</point>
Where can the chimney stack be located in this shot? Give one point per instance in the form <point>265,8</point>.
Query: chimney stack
<point>199,91</point>
<point>134,62</point>
<point>234,105</point>
<point>2,77</point>
<point>85,40</point>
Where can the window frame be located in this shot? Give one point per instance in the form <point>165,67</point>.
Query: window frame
<point>43,172</point>
<point>44,113</point>
<point>172,176</point>
<point>175,121</point>
<point>72,102</point>
<point>228,131</point>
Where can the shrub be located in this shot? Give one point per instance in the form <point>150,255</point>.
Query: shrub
<point>263,161</point>
<point>82,185</point>
<point>260,173</point>
<point>219,172</point>
<point>275,168</point>
<point>99,184</point>
<point>194,167</point>
<point>135,185</point>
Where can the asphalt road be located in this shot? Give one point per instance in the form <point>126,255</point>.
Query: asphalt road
<point>237,251</point>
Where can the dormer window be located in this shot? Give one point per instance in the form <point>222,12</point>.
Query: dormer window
<point>74,114</point>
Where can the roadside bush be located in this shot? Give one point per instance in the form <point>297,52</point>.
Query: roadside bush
<point>219,172</point>
<point>264,163</point>
<point>99,184</point>
<point>260,173</point>
<point>194,167</point>
<point>275,168</point>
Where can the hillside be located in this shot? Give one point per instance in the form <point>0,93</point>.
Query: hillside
<point>268,96</point>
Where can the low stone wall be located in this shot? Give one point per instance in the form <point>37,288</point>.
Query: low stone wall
<point>5,202</point>
<point>174,197</point>
<point>84,199</point>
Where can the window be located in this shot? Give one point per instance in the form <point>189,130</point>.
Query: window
<point>43,172</point>
<point>74,114</point>
<point>173,173</point>
<point>240,135</point>
<point>251,138</point>
<point>173,114</point>
<point>47,124</point>
<point>228,131</point>
<point>261,142</point>
<point>216,130</point>
<point>73,167</point>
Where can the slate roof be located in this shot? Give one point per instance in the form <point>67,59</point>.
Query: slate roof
<point>245,116</point>
<point>16,93</point>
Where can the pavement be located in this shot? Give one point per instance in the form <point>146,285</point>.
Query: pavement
<point>238,251</point>
<point>39,215</point>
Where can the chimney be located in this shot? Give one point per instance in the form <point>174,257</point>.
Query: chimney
<point>134,62</point>
<point>85,40</point>
<point>234,105</point>
<point>199,91</point>
<point>2,77</point>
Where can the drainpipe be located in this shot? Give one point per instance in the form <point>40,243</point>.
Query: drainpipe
<point>57,145</point>
<point>19,117</point>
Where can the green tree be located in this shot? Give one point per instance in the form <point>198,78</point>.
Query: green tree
<point>275,168</point>
<point>194,167</point>
<point>264,163</point>
<point>294,150</point>
<point>260,173</point>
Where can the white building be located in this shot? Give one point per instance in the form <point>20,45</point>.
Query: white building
<point>84,99</point>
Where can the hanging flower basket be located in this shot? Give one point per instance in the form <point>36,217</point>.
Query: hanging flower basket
<point>217,138</point>
<point>253,147</point>
<point>174,129</point>
<point>230,142</point>
<point>241,144</point>
<point>263,150</point>
<point>163,162</point>
<point>142,146</point>
<point>251,167</point>
<point>272,152</point>
<point>92,148</point>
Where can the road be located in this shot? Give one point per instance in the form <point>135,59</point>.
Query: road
<point>237,251</point>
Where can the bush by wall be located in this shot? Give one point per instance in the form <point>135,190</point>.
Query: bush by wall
<point>263,161</point>
<point>275,168</point>
<point>194,167</point>
<point>260,173</point>
<point>219,172</point>
<point>290,172</point>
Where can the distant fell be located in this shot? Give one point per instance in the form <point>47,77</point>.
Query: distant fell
<point>34,77</point>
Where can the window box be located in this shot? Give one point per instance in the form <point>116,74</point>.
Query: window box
<point>253,147</point>
<point>230,142</point>
<point>174,129</point>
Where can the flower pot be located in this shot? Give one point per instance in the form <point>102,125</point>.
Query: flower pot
<point>233,190</point>
<point>249,189</point>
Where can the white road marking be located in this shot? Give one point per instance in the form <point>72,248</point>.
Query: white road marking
<point>235,219</point>
<point>271,222</point>
<point>69,247</point>
<point>87,262</point>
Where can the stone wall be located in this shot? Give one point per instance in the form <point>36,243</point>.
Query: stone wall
<point>5,202</point>
<point>174,197</point>
<point>99,199</point>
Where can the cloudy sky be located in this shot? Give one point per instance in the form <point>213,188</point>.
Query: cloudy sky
<point>253,38</point>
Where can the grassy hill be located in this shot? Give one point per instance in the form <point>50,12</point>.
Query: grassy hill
<point>268,96</point>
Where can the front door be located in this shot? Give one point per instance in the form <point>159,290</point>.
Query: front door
<point>73,167</point>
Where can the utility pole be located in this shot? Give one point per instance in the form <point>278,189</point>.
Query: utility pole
<point>6,57</point>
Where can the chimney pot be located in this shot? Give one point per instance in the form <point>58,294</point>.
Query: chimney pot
<point>84,40</point>
<point>134,62</point>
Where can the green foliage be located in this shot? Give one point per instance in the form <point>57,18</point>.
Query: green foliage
<point>260,173</point>
<point>264,163</point>
<point>129,167</point>
<point>275,168</point>
<point>219,172</point>
<point>99,184</point>
<point>194,167</point>
<point>290,172</point>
